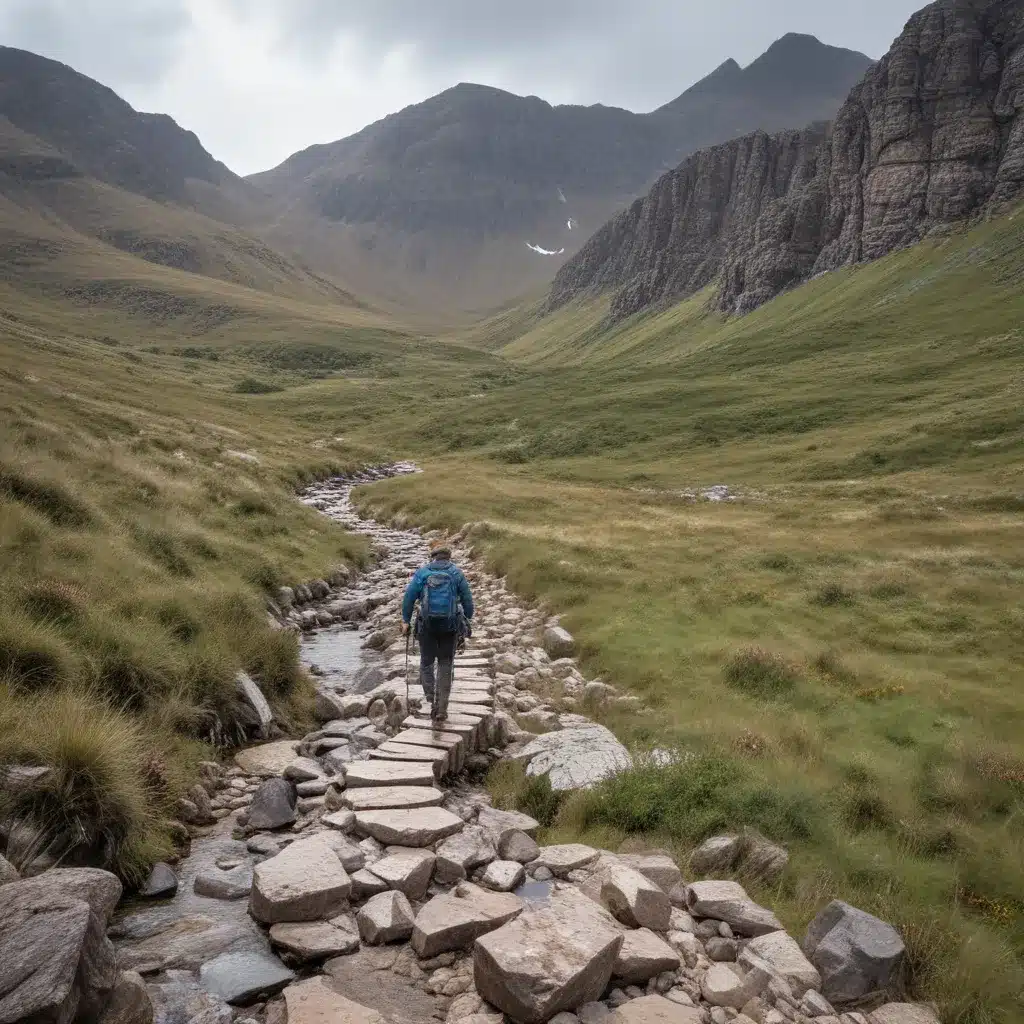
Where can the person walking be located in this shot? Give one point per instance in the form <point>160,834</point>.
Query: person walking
<point>442,592</point>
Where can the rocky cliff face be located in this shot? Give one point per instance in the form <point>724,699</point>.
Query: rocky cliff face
<point>932,135</point>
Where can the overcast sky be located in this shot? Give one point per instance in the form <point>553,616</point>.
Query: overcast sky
<point>259,79</point>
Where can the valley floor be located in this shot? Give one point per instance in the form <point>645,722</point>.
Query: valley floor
<point>838,650</point>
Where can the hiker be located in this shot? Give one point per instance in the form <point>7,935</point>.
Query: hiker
<point>445,608</point>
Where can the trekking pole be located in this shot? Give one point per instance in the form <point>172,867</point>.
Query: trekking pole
<point>408,709</point>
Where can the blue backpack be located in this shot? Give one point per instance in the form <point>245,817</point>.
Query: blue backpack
<point>439,601</point>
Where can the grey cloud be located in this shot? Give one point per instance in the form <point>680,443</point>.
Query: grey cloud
<point>120,42</point>
<point>636,53</point>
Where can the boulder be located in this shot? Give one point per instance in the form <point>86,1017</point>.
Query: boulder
<point>554,958</point>
<point>8,872</point>
<point>252,697</point>
<point>273,806</point>
<point>241,978</point>
<point>760,859</point>
<point>568,857</point>
<point>644,956</point>
<point>575,758</point>
<point>304,882</point>
<point>501,823</point>
<point>268,760</point>
<point>351,855</point>
<point>315,1001</point>
<point>784,956</point>
<point>303,769</point>
<point>558,642</point>
<point>162,882</point>
<point>418,827</point>
<point>332,707</point>
<point>454,920</point>
<point>635,900</point>
<point>214,884</point>
<point>406,871</point>
<point>458,855</point>
<point>653,1010</point>
<point>729,902</point>
<point>660,868</point>
<point>367,679</point>
<point>904,1013</point>
<point>518,846</point>
<point>314,941</point>
<point>503,875</point>
<point>366,884</point>
<point>387,917</point>
<point>855,953</point>
<point>715,856</point>
<point>55,958</point>
<point>129,1002</point>
<point>725,985</point>
<point>343,821</point>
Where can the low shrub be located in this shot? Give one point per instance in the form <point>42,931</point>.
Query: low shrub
<point>760,673</point>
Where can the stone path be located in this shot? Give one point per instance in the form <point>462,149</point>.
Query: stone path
<point>360,875</point>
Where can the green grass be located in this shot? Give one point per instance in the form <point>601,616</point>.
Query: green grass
<point>846,639</point>
<point>837,654</point>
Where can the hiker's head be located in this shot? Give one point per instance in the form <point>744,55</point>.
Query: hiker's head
<point>440,550</point>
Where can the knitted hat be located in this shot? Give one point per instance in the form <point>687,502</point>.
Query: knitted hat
<point>440,547</point>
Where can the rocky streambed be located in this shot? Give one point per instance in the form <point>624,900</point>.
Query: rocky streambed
<point>360,873</point>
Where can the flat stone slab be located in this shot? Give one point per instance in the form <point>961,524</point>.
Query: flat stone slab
<point>304,882</point>
<point>417,827</point>
<point>575,758</point>
<point>728,901</point>
<point>407,871</point>
<point>454,920</point>
<point>243,977</point>
<point>643,956</point>
<point>500,823</point>
<point>437,760</point>
<point>560,860</point>
<point>268,760</point>
<point>316,940</point>
<point>655,1010</point>
<point>361,774</point>
<point>555,958</point>
<point>381,798</point>
<point>431,738</point>
<point>315,1001</point>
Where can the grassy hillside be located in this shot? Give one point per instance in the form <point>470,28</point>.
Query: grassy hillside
<point>839,650</point>
<point>147,509</point>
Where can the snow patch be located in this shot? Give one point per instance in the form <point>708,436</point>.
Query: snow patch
<point>543,251</point>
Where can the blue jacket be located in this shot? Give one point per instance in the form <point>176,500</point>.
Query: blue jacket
<point>416,584</point>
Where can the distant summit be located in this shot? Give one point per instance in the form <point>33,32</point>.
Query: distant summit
<point>481,191</point>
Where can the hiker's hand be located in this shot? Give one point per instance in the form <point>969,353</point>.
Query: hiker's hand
<point>405,629</point>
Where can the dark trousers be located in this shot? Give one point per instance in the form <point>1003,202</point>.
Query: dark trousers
<point>440,647</point>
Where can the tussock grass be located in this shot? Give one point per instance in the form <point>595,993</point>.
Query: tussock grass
<point>102,802</point>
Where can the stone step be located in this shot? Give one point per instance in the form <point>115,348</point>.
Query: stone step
<point>470,697</point>
<point>379,798</point>
<point>438,759</point>
<point>415,828</point>
<point>364,774</point>
<point>468,710</point>
<point>470,729</point>
<point>432,740</point>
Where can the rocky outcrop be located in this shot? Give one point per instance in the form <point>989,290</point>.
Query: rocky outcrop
<point>931,136</point>
<point>56,962</point>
